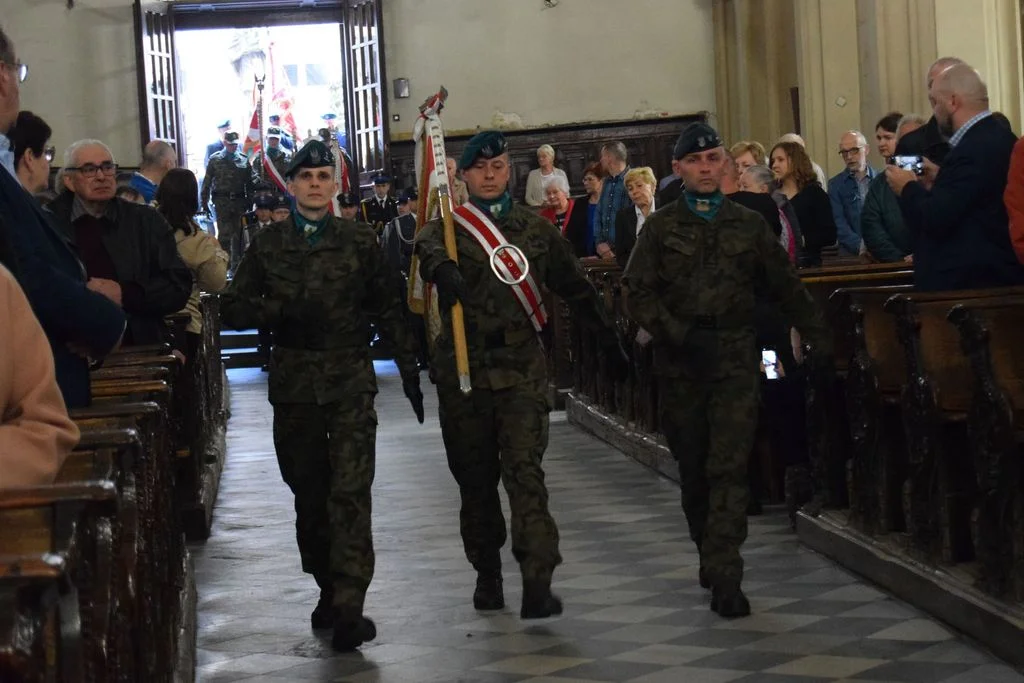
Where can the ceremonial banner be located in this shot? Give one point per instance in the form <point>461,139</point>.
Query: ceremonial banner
<point>254,140</point>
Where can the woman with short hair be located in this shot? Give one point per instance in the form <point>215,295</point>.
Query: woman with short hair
<point>32,154</point>
<point>747,153</point>
<point>641,185</point>
<point>535,181</point>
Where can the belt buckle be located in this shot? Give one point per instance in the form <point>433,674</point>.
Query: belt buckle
<point>705,322</point>
<point>518,258</point>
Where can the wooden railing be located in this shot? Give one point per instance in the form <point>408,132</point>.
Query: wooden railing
<point>94,570</point>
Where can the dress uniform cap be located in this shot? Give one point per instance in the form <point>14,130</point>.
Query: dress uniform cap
<point>265,200</point>
<point>350,199</point>
<point>314,154</point>
<point>231,138</point>
<point>407,196</point>
<point>696,137</point>
<point>275,119</point>
<point>488,144</point>
<point>226,123</point>
<point>281,202</point>
<point>382,179</point>
<point>329,116</point>
<point>273,132</point>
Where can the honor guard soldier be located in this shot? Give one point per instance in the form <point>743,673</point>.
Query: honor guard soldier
<point>499,431</point>
<point>397,242</point>
<point>286,139</point>
<point>316,282</point>
<point>380,209</point>
<point>693,277</point>
<point>260,217</point>
<point>282,208</point>
<point>275,152</point>
<point>349,204</point>
<point>230,182</point>
<point>330,120</point>
<point>217,146</point>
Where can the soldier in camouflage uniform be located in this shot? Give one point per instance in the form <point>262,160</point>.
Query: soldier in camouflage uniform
<point>316,281</point>
<point>230,181</point>
<point>279,156</point>
<point>692,280</point>
<point>499,431</point>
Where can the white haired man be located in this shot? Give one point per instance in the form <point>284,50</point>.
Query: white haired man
<point>847,190</point>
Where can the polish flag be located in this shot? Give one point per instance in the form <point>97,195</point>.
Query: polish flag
<point>254,140</point>
<point>274,175</point>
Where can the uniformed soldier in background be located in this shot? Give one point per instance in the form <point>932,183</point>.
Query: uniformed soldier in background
<point>231,183</point>
<point>499,431</point>
<point>286,139</point>
<point>692,281</point>
<point>316,282</point>
<point>397,242</point>
<point>381,208</point>
<point>275,152</point>
<point>265,197</point>
<point>282,209</point>
<point>349,204</point>
<point>217,146</point>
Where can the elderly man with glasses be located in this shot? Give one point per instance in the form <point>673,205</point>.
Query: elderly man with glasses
<point>847,191</point>
<point>128,249</point>
<point>80,324</point>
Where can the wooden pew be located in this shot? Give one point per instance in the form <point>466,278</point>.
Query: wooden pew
<point>990,332</point>
<point>35,592</point>
<point>941,486</point>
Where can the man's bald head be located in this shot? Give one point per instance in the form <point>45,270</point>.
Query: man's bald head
<point>940,65</point>
<point>956,95</point>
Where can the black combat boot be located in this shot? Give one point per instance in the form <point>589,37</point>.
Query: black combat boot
<point>323,615</point>
<point>352,630</point>
<point>729,601</point>
<point>702,576</point>
<point>538,602</point>
<point>488,594</point>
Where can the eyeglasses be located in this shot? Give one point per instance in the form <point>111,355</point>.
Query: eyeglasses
<point>20,69</point>
<point>91,170</point>
<point>848,152</point>
<point>49,153</point>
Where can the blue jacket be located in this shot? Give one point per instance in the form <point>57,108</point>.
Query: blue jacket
<point>54,281</point>
<point>843,194</point>
<point>960,228</point>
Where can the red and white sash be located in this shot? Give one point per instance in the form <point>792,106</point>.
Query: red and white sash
<point>505,261</point>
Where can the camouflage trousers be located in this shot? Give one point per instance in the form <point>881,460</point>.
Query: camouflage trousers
<point>326,456</point>
<point>493,436</point>
<point>229,231</point>
<point>710,428</point>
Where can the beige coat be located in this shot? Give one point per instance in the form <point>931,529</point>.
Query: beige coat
<point>201,252</point>
<point>36,433</point>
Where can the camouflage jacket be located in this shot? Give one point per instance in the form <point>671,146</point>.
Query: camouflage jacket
<point>318,302</point>
<point>504,350</point>
<point>229,180</point>
<point>278,157</point>
<point>693,284</point>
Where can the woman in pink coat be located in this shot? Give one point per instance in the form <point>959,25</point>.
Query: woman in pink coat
<point>36,433</point>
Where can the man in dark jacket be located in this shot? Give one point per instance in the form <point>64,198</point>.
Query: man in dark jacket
<point>80,324</point>
<point>956,213</point>
<point>128,249</point>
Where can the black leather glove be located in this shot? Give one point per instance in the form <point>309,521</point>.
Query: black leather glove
<point>451,286</point>
<point>618,360</point>
<point>411,387</point>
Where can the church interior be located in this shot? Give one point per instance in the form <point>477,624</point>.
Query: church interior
<point>186,484</point>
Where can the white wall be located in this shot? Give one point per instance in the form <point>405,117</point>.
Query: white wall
<point>81,69</point>
<point>584,60</point>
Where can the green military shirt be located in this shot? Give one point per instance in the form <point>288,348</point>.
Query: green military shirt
<point>278,157</point>
<point>693,283</point>
<point>229,180</point>
<point>319,301</point>
<point>492,309</point>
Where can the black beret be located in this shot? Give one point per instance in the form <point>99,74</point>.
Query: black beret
<point>696,137</point>
<point>314,154</point>
<point>488,145</point>
<point>273,132</point>
<point>231,138</point>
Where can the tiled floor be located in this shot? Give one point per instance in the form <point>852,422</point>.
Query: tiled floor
<point>634,611</point>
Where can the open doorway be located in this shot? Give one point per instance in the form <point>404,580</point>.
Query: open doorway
<point>217,72</point>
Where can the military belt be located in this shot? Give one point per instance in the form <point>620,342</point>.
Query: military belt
<point>720,322</point>
<point>292,339</point>
<point>228,195</point>
<point>504,338</point>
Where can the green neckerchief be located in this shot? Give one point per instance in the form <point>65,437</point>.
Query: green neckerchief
<point>311,230</point>
<point>705,205</point>
<point>498,208</point>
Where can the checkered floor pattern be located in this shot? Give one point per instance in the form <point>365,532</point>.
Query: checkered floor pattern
<point>634,611</point>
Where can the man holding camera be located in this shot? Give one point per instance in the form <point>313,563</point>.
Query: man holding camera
<point>956,214</point>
